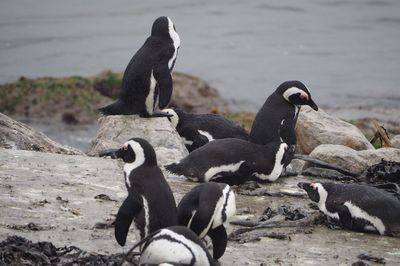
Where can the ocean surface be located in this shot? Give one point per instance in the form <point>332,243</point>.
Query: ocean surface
<point>346,52</point>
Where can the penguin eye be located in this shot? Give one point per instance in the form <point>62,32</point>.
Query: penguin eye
<point>314,186</point>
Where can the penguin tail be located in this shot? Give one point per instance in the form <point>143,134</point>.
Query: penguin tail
<point>176,169</point>
<point>116,108</point>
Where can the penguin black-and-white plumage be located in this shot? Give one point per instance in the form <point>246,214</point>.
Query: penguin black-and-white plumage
<point>276,120</point>
<point>147,79</point>
<point>150,202</point>
<point>357,207</point>
<point>175,245</point>
<point>198,129</point>
<point>232,161</point>
<point>207,210</point>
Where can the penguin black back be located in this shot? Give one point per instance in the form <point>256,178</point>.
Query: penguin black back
<point>206,210</point>
<point>276,120</point>
<point>198,129</point>
<point>150,202</point>
<point>147,78</point>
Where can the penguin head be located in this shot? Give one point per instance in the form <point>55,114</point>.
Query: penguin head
<point>312,190</point>
<point>296,93</point>
<point>137,151</point>
<point>173,116</point>
<point>164,27</point>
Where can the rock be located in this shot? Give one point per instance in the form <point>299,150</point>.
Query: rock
<point>16,135</point>
<point>117,129</point>
<point>195,95</point>
<point>395,141</point>
<point>315,128</point>
<point>352,160</point>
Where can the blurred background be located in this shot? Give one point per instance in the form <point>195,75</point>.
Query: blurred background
<point>346,52</point>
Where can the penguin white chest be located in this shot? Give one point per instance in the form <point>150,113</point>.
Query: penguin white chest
<point>150,97</point>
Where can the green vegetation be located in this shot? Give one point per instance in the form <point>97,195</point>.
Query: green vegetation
<point>245,119</point>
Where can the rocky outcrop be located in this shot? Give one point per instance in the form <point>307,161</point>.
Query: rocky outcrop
<point>117,129</point>
<point>16,135</point>
<point>316,128</point>
<point>352,160</point>
<point>395,141</point>
<point>195,95</point>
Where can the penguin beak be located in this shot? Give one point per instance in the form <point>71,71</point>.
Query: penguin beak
<point>112,153</point>
<point>312,104</point>
<point>303,185</point>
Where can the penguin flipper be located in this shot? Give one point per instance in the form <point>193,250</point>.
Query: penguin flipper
<point>163,76</point>
<point>219,240</point>
<point>346,220</point>
<point>198,141</point>
<point>128,210</point>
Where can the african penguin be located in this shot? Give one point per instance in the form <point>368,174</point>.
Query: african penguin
<point>147,79</point>
<point>232,161</point>
<point>175,245</point>
<point>357,207</point>
<point>276,120</point>
<point>150,202</point>
<point>207,210</point>
<point>198,129</point>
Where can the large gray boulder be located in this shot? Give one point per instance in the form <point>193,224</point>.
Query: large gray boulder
<point>19,136</point>
<point>196,95</point>
<point>316,128</point>
<point>117,129</point>
<point>352,160</point>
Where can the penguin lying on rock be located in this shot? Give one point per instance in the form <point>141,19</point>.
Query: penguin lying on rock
<point>207,210</point>
<point>357,207</point>
<point>232,161</point>
<point>147,80</point>
<point>175,245</point>
<point>150,202</point>
<point>198,129</point>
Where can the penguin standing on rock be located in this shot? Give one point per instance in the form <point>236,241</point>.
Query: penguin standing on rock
<point>197,130</point>
<point>150,202</point>
<point>207,210</point>
<point>357,207</point>
<point>277,118</point>
<point>175,245</point>
<point>233,161</point>
<point>147,80</point>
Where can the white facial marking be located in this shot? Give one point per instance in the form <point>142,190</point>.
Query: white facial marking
<point>150,97</point>
<point>278,165</point>
<point>323,195</point>
<point>174,118</point>
<point>206,134</point>
<point>176,41</point>
<point>139,160</point>
<point>356,212</point>
<point>293,90</point>
<point>163,249</point>
<point>214,171</point>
